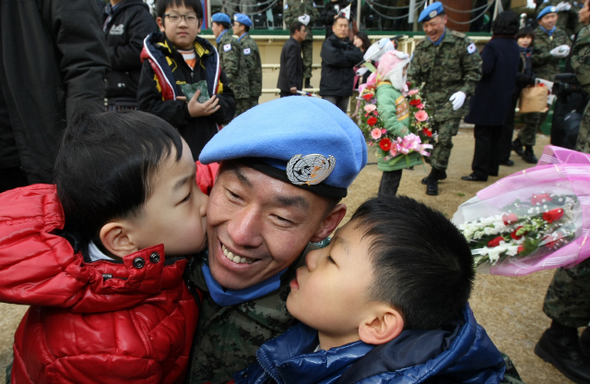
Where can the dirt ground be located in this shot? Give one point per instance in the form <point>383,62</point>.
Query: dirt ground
<point>508,308</point>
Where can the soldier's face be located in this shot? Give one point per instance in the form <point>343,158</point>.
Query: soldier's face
<point>257,225</point>
<point>238,28</point>
<point>434,28</point>
<point>584,14</point>
<point>216,28</point>
<point>548,21</point>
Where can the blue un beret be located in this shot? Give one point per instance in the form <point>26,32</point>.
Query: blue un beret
<point>305,141</point>
<point>431,11</point>
<point>546,10</point>
<point>242,19</point>
<point>221,18</point>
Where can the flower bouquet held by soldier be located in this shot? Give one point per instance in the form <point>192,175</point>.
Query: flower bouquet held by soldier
<point>102,270</point>
<point>448,65</point>
<point>532,220</point>
<point>364,301</point>
<point>396,126</point>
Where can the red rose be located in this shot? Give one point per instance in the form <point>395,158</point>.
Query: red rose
<point>515,236</point>
<point>553,215</point>
<point>541,198</point>
<point>372,121</point>
<point>550,241</point>
<point>495,241</point>
<point>385,144</point>
<point>368,96</point>
<point>427,132</point>
<point>509,218</point>
<point>520,248</point>
<point>415,102</point>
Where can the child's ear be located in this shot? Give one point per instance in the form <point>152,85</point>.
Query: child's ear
<point>115,237</point>
<point>329,223</point>
<point>383,326</point>
<point>160,22</point>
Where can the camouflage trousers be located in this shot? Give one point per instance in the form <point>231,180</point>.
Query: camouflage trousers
<point>528,134</point>
<point>242,105</point>
<point>568,297</point>
<point>583,143</point>
<point>307,51</point>
<point>439,159</point>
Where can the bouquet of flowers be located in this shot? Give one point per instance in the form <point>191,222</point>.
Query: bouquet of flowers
<point>387,145</point>
<point>532,220</point>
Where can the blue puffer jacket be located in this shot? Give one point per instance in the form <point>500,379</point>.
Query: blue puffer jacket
<point>463,353</point>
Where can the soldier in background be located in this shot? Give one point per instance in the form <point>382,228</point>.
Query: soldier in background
<point>567,302</point>
<point>567,11</point>
<point>449,65</point>
<point>306,12</point>
<point>228,48</point>
<point>250,84</point>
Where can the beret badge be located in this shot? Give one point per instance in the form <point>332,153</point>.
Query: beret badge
<point>310,169</point>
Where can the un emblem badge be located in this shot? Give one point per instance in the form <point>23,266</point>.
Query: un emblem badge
<point>310,169</point>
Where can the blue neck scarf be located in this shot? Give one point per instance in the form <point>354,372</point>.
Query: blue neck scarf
<point>226,297</point>
<point>549,32</point>
<point>437,43</point>
<point>241,37</point>
<point>221,34</point>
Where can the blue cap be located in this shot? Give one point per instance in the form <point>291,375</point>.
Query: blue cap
<point>242,19</point>
<point>301,140</point>
<point>432,11</point>
<point>221,18</point>
<point>546,10</point>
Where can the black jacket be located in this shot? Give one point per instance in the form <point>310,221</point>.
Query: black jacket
<point>46,74</point>
<point>125,30</point>
<point>291,72</point>
<point>157,53</point>
<point>492,99</point>
<point>338,59</point>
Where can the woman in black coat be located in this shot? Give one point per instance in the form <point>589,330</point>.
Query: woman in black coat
<point>489,107</point>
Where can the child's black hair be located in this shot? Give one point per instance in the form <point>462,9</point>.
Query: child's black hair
<point>422,264</point>
<point>524,32</point>
<point>195,5</point>
<point>106,165</point>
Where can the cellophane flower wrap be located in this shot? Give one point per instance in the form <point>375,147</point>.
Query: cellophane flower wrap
<point>388,145</point>
<point>533,220</point>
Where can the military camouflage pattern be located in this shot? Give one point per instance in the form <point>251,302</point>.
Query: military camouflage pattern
<point>580,62</point>
<point>242,105</point>
<point>546,66</point>
<point>568,299</point>
<point>567,20</point>
<point>227,338</point>
<point>292,10</point>
<point>528,134</point>
<point>441,152</point>
<point>229,57</point>
<point>446,69</point>
<point>250,68</point>
<point>511,375</point>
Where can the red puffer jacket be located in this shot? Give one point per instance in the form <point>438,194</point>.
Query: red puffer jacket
<point>99,322</point>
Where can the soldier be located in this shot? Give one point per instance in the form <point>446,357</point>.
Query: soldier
<point>306,12</point>
<point>250,66</point>
<point>567,12</point>
<point>228,48</point>
<point>448,63</point>
<point>567,301</point>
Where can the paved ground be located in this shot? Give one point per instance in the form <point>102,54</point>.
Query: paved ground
<point>509,308</point>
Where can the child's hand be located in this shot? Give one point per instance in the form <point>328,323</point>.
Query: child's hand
<point>207,108</point>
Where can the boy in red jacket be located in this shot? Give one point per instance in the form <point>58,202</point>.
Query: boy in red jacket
<point>100,256</point>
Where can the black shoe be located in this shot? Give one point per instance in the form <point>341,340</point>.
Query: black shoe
<point>564,352</point>
<point>432,187</point>
<point>307,84</point>
<point>507,163</point>
<point>474,177</point>
<point>517,147</point>
<point>529,156</point>
<point>438,175</point>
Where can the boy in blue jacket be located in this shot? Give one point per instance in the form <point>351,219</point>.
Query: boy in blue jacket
<point>177,57</point>
<point>384,302</point>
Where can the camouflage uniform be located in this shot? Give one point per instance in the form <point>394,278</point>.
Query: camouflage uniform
<point>229,56</point>
<point>227,338</point>
<point>453,66</point>
<point>250,89</point>
<point>580,62</point>
<point>567,20</point>
<point>546,66</point>
<point>294,9</point>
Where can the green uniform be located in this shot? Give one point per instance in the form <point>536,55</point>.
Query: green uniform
<point>454,65</point>
<point>546,66</point>
<point>250,89</point>
<point>227,338</point>
<point>294,9</point>
<point>580,62</point>
<point>567,20</point>
<point>229,56</point>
